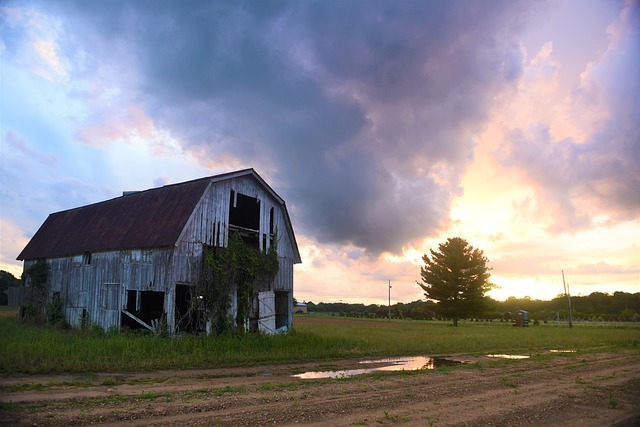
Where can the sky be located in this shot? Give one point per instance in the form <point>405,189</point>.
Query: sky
<point>386,126</point>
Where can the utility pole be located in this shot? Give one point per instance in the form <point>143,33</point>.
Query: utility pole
<point>389,300</point>
<point>568,295</point>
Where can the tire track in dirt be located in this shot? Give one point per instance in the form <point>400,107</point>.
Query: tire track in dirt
<point>555,391</point>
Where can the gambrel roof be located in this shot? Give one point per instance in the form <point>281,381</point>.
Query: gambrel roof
<point>145,219</point>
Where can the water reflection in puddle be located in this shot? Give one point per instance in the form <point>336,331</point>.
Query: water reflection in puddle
<point>562,351</point>
<point>508,356</point>
<point>393,364</point>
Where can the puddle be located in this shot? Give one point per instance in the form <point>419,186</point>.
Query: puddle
<point>562,351</point>
<point>508,356</point>
<point>391,364</point>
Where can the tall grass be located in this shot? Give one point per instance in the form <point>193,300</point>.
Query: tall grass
<point>37,349</point>
<point>417,337</point>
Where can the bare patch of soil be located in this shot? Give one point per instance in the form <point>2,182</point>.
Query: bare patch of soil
<point>567,390</point>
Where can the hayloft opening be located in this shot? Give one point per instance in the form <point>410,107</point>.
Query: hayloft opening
<point>244,217</point>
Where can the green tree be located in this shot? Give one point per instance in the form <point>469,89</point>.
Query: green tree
<point>457,277</point>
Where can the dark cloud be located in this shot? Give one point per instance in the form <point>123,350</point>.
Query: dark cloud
<point>365,110</point>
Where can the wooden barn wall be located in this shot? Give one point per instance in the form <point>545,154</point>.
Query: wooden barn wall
<point>99,288</point>
<point>209,225</point>
<point>284,278</point>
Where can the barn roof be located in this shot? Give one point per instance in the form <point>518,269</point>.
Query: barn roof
<point>145,219</point>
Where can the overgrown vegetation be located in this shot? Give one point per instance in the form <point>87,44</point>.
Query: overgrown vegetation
<point>34,349</point>
<point>37,292</point>
<point>235,268</point>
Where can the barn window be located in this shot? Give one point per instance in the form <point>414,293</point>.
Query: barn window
<point>86,258</point>
<point>271,220</point>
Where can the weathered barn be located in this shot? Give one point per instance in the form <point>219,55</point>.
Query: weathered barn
<point>131,260</point>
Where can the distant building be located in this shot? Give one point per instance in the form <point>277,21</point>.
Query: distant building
<point>300,307</point>
<point>133,259</point>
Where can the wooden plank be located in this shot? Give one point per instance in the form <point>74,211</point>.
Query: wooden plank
<point>140,321</point>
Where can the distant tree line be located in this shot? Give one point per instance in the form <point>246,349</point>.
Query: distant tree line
<point>598,306</point>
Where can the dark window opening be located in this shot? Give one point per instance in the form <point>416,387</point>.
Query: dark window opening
<point>244,218</point>
<point>189,314</point>
<point>264,242</point>
<point>86,258</point>
<point>244,211</point>
<point>145,305</point>
<point>271,221</point>
<point>132,300</point>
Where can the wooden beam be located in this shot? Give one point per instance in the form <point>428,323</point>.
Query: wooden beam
<point>142,322</point>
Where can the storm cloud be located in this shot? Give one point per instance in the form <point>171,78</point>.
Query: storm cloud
<point>362,113</point>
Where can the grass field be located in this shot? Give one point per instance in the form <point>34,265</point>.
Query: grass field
<point>37,349</point>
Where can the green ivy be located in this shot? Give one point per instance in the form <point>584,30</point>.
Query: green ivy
<point>38,291</point>
<point>239,265</point>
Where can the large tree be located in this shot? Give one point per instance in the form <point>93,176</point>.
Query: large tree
<point>457,277</point>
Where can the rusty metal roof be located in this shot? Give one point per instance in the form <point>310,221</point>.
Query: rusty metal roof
<point>150,218</point>
<point>145,219</point>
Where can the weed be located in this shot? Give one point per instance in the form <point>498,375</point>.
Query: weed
<point>112,381</point>
<point>505,381</point>
<point>389,417</point>
<point>6,406</point>
<point>149,395</point>
<point>581,381</point>
<point>613,403</point>
<point>392,419</point>
<point>431,421</point>
<point>229,390</point>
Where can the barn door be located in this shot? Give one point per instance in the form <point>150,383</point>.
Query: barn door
<point>267,312</point>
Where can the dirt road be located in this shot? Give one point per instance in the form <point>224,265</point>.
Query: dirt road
<point>565,390</point>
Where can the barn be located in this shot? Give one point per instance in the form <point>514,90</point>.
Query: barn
<point>135,259</point>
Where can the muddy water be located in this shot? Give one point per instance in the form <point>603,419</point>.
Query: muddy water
<point>384,365</point>
<point>508,356</point>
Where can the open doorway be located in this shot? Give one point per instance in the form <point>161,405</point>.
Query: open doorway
<point>189,318</point>
<point>142,308</point>
<point>283,308</point>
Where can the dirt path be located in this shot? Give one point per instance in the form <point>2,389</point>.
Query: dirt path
<point>567,390</point>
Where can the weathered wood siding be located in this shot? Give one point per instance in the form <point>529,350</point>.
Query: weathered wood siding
<point>209,225</point>
<point>99,288</point>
